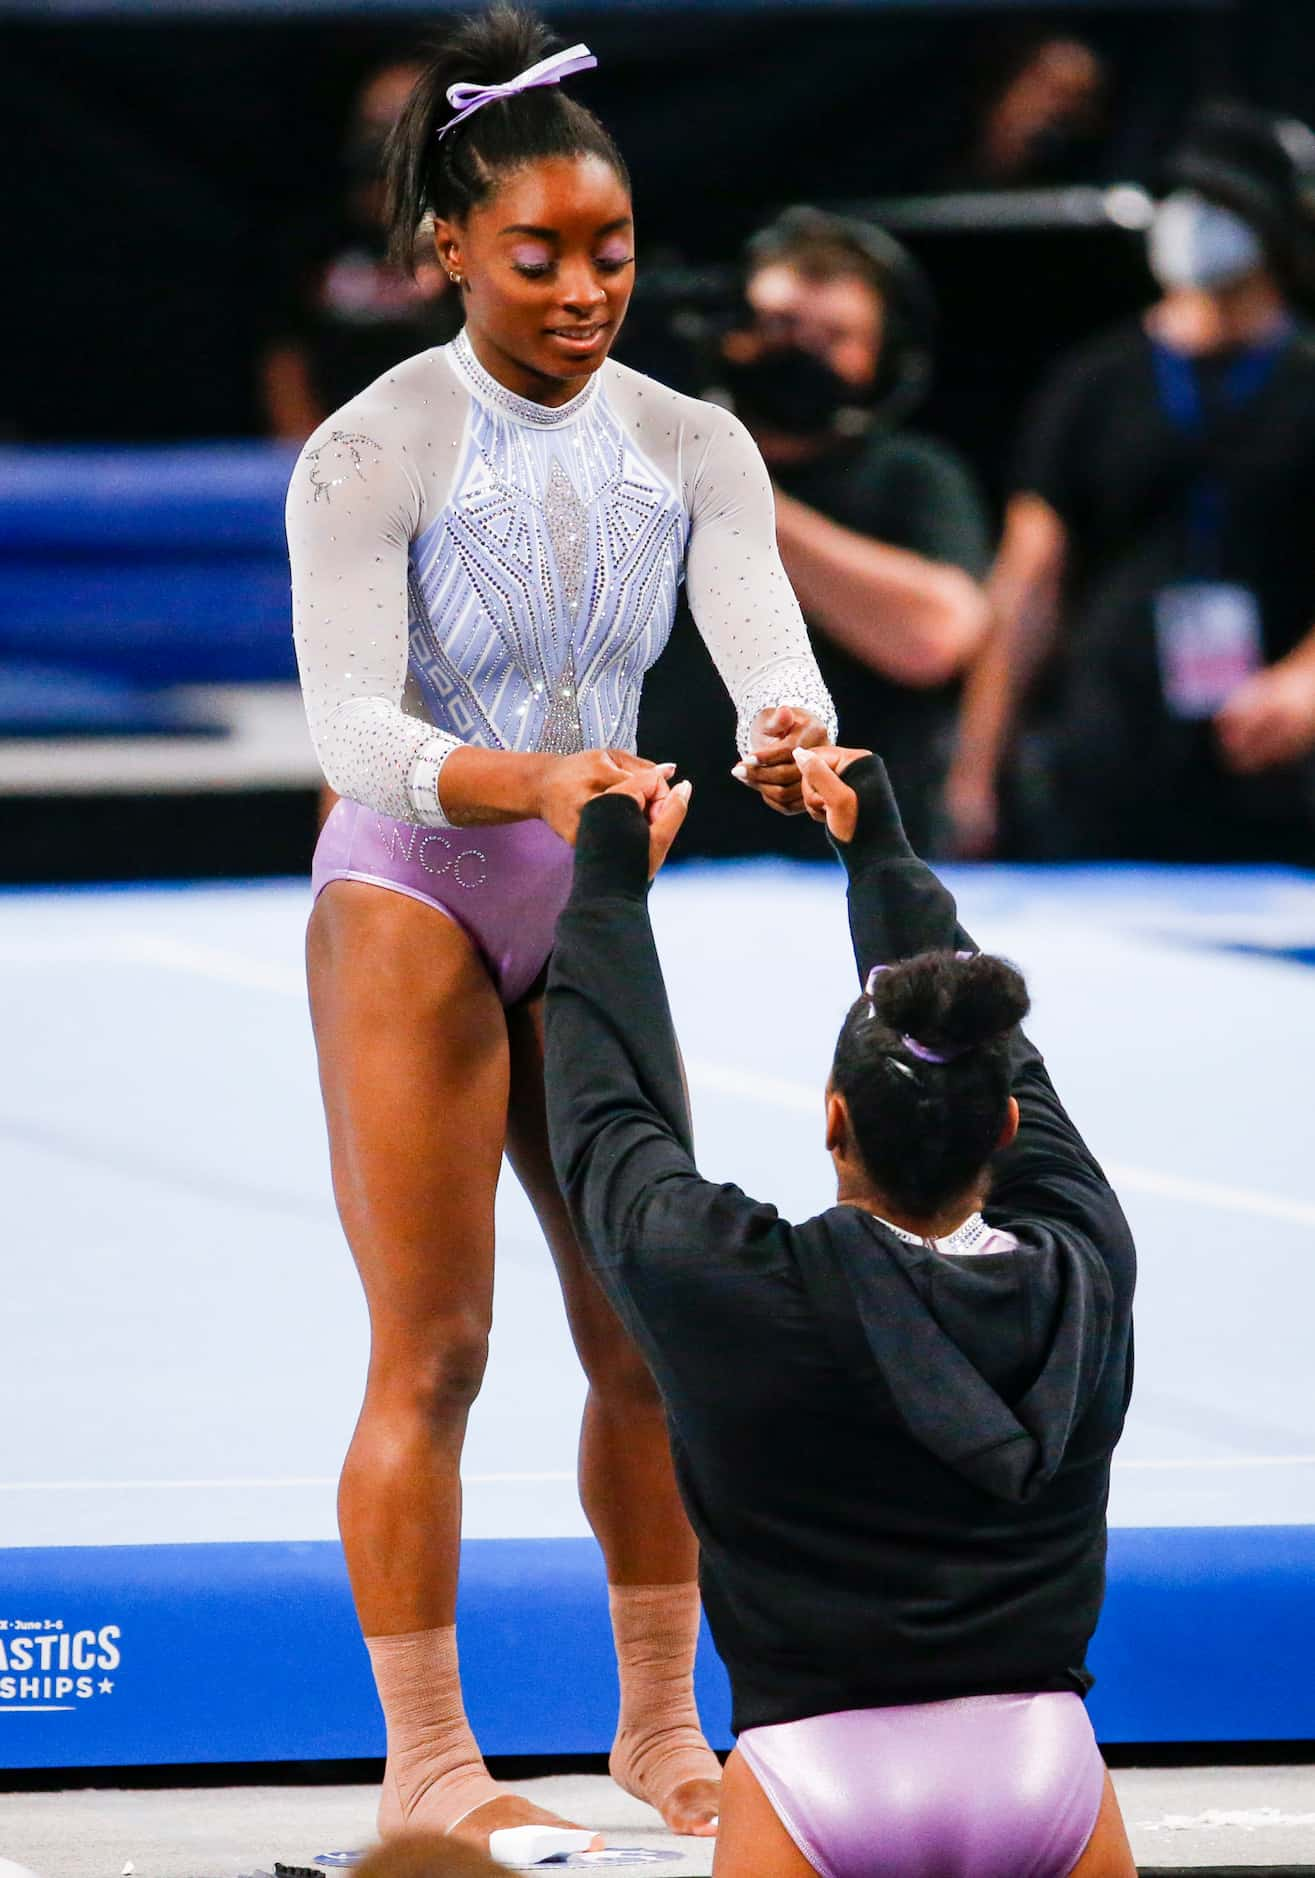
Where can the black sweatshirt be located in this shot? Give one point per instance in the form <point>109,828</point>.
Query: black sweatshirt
<point>896,1461</point>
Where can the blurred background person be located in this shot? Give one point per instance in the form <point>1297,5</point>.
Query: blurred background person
<point>347,315</point>
<point>1039,116</point>
<point>1154,595</point>
<point>882,531</point>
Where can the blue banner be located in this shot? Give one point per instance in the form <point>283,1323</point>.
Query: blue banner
<point>118,1656</point>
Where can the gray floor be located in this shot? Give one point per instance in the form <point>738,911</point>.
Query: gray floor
<point>1177,1817</point>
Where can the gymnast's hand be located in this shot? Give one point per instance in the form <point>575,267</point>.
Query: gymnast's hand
<point>826,798</point>
<point>772,769</point>
<point>663,808</point>
<point>566,783</point>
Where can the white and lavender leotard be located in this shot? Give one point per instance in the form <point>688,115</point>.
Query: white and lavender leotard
<point>469,567</point>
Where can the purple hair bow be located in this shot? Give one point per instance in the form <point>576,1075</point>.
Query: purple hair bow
<point>911,1044</point>
<point>549,71</point>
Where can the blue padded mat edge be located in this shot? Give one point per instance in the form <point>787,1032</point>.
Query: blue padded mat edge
<point>142,1655</point>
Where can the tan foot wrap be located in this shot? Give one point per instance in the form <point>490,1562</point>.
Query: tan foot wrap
<point>659,1743</point>
<point>435,1773</point>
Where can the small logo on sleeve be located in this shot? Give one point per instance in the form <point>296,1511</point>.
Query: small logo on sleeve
<point>346,454</point>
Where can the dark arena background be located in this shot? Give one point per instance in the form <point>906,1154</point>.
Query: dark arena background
<point>193,283</point>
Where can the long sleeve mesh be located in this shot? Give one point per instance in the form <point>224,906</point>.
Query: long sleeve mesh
<point>352,508</point>
<point>741,599</point>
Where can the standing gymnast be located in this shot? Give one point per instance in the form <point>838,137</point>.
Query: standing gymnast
<point>893,1424</point>
<point>486,549</point>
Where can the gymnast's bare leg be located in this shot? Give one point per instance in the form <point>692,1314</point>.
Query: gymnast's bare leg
<point>417,1040</point>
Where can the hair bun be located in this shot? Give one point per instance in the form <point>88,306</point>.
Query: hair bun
<point>949,1003</point>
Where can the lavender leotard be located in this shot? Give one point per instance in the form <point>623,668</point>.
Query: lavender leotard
<point>469,567</point>
<point>503,886</point>
<point>992,1786</point>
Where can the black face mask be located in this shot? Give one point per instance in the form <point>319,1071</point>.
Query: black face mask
<point>794,392</point>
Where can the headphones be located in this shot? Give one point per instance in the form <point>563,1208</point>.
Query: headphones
<point>904,370</point>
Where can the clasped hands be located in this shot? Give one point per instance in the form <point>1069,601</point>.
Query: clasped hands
<point>564,784</point>
<point>823,794</point>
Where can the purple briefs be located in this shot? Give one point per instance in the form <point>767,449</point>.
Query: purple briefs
<point>504,886</point>
<point>991,1786</point>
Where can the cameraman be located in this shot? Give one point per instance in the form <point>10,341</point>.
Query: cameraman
<point>882,531</point>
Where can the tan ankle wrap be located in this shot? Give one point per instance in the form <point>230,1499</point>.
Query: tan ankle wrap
<point>435,1773</point>
<point>659,1743</point>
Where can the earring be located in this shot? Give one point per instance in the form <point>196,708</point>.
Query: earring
<point>455,278</point>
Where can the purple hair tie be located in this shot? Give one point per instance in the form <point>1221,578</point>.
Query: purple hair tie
<point>550,71</point>
<point>930,1056</point>
<point>911,1044</point>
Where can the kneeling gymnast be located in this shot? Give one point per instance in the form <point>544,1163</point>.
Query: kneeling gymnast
<point>893,1423</point>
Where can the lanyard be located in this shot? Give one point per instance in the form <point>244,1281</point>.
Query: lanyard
<point>1179,388</point>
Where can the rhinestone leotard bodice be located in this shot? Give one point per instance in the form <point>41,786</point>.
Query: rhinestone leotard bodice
<point>473,568</point>
<point>546,587</point>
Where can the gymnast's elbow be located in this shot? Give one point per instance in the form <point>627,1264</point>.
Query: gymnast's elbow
<point>338,738</point>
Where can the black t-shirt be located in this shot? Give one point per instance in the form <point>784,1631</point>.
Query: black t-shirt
<point>1125,474</point>
<point>898,488</point>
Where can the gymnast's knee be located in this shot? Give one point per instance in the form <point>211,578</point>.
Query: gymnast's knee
<point>432,1374</point>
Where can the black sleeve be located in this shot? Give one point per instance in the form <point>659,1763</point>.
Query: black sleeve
<point>897,908</point>
<point>617,1118</point>
<point>1053,447</point>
